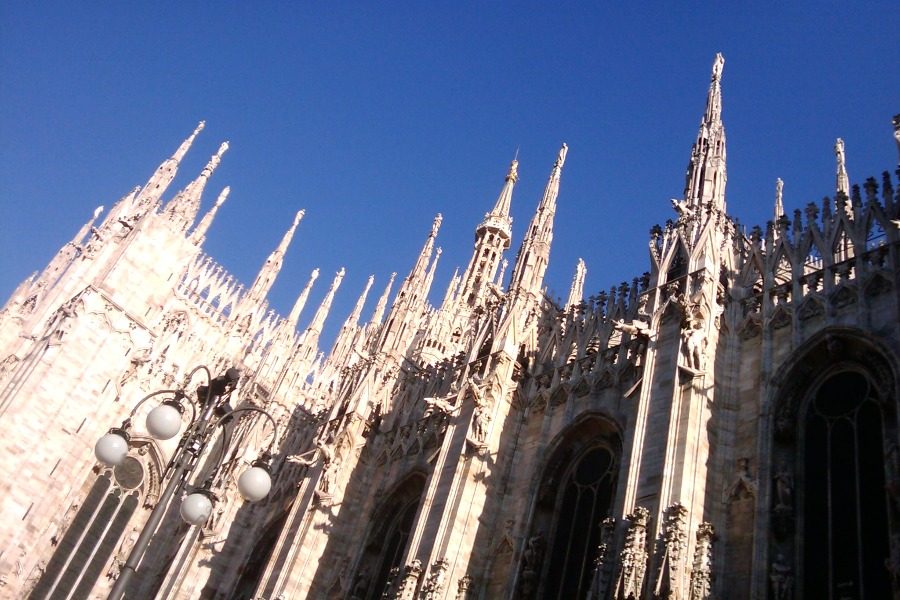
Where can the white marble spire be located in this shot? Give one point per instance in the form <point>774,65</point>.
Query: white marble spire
<point>576,292</point>
<point>382,302</point>
<point>199,233</point>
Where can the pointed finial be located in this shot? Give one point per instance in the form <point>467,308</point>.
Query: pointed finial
<point>222,196</point>
<point>97,212</point>
<point>299,216</point>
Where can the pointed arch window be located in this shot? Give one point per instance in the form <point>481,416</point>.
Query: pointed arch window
<point>93,536</point>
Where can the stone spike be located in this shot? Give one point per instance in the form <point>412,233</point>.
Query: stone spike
<point>451,290</point>
<point>382,302</point>
<point>166,172</point>
<point>200,232</point>
<point>301,300</point>
<point>430,277</point>
<point>576,291</point>
<point>353,319</point>
<point>322,312</point>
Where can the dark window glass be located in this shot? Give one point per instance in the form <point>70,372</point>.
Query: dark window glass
<point>845,519</point>
<point>586,498</point>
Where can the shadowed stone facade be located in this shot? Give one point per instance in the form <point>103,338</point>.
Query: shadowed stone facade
<point>724,425</point>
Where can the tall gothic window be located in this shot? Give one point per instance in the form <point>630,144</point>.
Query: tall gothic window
<point>389,538</point>
<point>584,502</point>
<point>83,554</point>
<point>575,496</point>
<point>845,505</point>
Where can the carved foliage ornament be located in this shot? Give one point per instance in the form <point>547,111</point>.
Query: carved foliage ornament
<point>633,558</point>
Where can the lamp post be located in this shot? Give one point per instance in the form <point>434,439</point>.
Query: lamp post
<point>210,411</point>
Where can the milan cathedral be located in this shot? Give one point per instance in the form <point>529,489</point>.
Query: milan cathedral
<point>724,425</point>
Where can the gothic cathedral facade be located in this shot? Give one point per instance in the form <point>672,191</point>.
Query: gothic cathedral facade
<point>725,425</point>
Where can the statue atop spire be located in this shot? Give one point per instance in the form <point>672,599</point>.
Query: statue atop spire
<point>513,174</point>
<point>561,157</point>
<point>718,65</point>
<point>779,206</point>
<point>706,174</point>
<point>842,184</point>
<point>436,225</point>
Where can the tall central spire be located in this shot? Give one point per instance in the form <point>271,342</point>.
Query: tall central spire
<point>491,239</point>
<point>165,173</point>
<point>706,176</point>
<point>534,254</point>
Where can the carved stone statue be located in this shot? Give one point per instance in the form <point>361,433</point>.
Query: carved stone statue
<point>695,344</point>
<point>843,180</point>
<point>481,418</point>
<point>782,579</point>
<point>361,587</point>
<point>439,405</point>
<point>635,328</point>
<point>683,208</point>
<point>534,552</point>
<point>718,65</point>
<point>784,487</point>
<point>66,521</point>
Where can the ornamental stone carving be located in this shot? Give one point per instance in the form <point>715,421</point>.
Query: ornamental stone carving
<point>633,557</point>
<point>602,563</point>
<point>701,571</point>
<point>410,581</point>
<point>434,584</point>
<point>533,557</point>
<point>669,584</point>
<point>463,586</point>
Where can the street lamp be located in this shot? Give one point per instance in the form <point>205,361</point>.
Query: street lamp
<point>209,411</point>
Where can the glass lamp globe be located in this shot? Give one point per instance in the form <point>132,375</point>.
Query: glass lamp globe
<point>254,484</point>
<point>111,449</point>
<point>164,422</point>
<point>196,508</point>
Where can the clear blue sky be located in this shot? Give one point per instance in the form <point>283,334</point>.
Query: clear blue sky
<point>375,117</point>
